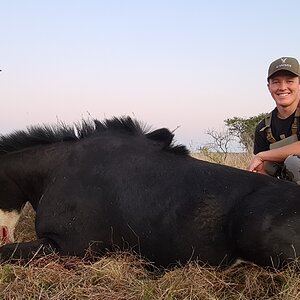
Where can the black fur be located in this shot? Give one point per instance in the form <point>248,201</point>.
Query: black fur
<point>113,185</point>
<point>49,134</point>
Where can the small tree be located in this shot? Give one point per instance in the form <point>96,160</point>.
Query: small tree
<point>244,129</point>
<point>218,149</point>
<point>240,129</point>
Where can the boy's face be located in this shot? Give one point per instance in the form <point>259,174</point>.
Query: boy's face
<point>284,88</point>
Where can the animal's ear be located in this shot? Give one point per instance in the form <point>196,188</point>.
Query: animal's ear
<point>162,135</point>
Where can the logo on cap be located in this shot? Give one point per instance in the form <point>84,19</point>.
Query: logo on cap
<point>284,64</point>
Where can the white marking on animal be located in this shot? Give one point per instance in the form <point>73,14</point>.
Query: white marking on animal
<point>8,222</point>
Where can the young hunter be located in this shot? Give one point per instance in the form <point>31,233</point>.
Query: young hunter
<point>277,137</point>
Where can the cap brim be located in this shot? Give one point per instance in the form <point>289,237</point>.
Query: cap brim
<point>282,70</point>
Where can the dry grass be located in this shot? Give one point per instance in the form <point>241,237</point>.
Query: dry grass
<point>119,277</point>
<point>122,276</point>
<point>25,230</point>
<point>237,160</point>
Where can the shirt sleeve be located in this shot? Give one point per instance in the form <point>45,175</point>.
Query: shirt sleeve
<point>260,140</point>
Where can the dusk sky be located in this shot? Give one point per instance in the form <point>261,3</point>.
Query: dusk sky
<point>187,64</point>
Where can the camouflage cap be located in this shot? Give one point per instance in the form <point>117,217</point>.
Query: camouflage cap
<point>284,64</point>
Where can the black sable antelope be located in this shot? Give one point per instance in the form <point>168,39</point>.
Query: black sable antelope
<point>115,185</point>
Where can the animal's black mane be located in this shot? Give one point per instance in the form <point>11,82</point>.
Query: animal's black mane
<point>49,134</point>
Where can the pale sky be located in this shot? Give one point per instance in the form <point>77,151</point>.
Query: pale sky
<point>168,63</point>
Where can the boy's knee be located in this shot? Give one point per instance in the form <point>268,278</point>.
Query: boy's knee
<point>292,168</point>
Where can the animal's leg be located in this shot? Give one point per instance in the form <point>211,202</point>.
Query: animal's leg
<point>269,241</point>
<point>27,250</point>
